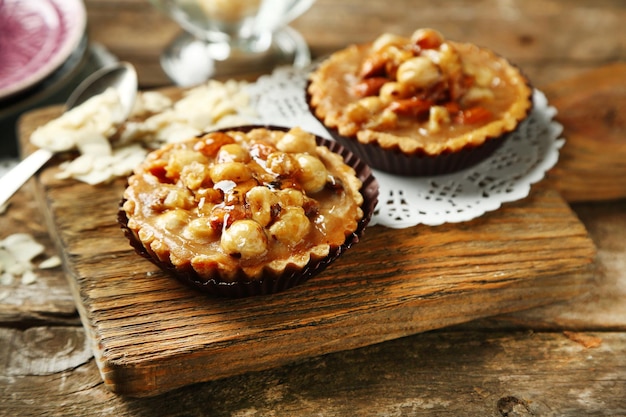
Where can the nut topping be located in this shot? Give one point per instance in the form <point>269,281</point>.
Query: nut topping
<point>412,75</point>
<point>242,196</point>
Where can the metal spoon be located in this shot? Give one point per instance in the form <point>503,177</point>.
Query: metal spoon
<point>120,75</point>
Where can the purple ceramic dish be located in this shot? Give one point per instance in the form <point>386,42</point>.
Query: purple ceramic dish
<point>36,38</point>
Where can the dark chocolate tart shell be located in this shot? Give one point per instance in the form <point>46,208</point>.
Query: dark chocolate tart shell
<point>419,164</point>
<point>271,281</point>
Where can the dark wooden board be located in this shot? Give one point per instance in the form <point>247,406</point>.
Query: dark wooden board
<point>150,334</point>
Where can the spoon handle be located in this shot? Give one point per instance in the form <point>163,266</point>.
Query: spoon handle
<point>18,175</point>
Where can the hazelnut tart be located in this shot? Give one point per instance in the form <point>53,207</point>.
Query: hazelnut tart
<point>248,210</point>
<point>419,105</point>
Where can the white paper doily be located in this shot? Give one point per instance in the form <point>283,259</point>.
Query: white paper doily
<point>505,176</point>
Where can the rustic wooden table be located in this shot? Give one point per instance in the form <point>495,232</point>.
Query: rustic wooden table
<point>564,359</point>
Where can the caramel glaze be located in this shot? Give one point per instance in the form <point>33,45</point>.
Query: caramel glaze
<point>161,206</point>
<point>334,86</point>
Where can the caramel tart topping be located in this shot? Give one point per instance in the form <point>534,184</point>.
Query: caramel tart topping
<point>236,200</point>
<point>420,94</point>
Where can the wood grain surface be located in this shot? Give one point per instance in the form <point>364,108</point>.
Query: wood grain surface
<point>592,109</point>
<point>146,327</point>
<point>444,373</point>
<point>562,359</point>
<point>23,304</point>
<point>550,40</point>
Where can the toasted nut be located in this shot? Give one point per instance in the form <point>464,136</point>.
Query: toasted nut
<point>244,238</point>
<point>260,201</point>
<point>212,142</point>
<point>179,159</point>
<point>261,150</point>
<point>419,72</point>
<point>474,115</point>
<point>372,104</point>
<point>232,152</point>
<point>200,230</point>
<point>438,117</point>
<point>427,38</point>
<point>178,198</point>
<point>290,197</point>
<point>395,91</point>
<point>450,61</point>
<point>292,226</point>
<point>282,164</point>
<point>413,107</point>
<point>357,113</point>
<point>173,220</point>
<point>385,121</point>
<point>395,57</point>
<point>484,76</point>
<point>297,140</point>
<point>477,94</point>
<point>312,174</point>
<point>223,216</point>
<point>209,196</point>
<point>195,175</point>
<point>369,86</point>
<point>233,171</point>
<point>373,66</point>
<point>387,39</point>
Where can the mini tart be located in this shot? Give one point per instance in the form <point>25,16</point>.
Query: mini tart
<point>247,211</point>
<point>422,105</point>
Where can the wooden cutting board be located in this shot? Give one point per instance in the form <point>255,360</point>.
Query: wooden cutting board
<point>151,334</point>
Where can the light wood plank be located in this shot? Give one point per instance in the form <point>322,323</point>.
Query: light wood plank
<point>48,299</point>
<point>592,110</point>
<point>603,307</point>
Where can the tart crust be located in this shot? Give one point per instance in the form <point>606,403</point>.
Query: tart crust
<point>333,89</point>
<point>159,206</point>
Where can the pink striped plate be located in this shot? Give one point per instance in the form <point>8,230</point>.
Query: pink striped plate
<point>36,38</point>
